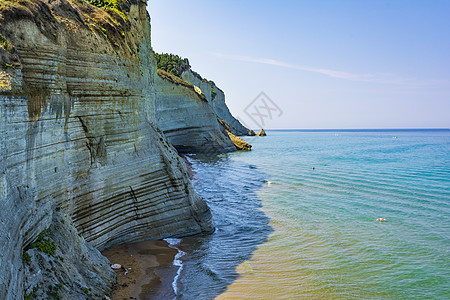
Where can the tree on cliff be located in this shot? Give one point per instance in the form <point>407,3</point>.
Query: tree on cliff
<point>172,63</point>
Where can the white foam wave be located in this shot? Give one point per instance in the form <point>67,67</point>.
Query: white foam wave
<point>173,242</point>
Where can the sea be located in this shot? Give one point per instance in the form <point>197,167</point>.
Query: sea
<point>296,218</point>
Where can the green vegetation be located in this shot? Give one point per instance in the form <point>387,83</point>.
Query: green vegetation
<point>106,3</point>
<point>43,243</point>
<point>171,66</point>
<point>53,292</point>
<point>26,258</point>
<point>173,78</point>
<point>5,43</point>
<point>172,63</point>
<point>104,31</point>
<point>32,295</point>
<point>112,7</point>
<point>177,80</point>
<point>213,93</point>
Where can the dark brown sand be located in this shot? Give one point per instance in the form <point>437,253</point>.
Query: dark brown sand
<point>150,270</point>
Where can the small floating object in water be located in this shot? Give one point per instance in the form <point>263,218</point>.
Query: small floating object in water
<point>116,266</point>
<point>380,219</point>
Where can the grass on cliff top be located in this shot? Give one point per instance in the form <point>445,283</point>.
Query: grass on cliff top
<point>111,6</point>
<point>177,80</point>
<point>110,15</point>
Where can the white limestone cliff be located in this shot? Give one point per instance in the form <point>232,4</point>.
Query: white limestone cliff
<point>83,156</point>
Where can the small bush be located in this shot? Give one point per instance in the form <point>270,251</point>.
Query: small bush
<point>26,258</point>
<point>53,292</point>
<point>5,43</point>
<point>44,243</point>
<point>106,3</point>
<point>32,295</point>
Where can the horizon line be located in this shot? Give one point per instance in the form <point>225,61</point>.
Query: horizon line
<point>364,129</point>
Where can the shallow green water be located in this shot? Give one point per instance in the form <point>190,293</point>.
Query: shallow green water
<point>287,231</point>
<point>326,241</point>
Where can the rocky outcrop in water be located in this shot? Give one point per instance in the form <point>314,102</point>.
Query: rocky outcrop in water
<point>86,134</point>
<point>238,142</point>
<point>261,133</point>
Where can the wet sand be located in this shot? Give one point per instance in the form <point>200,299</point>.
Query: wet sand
<point>150,270</point>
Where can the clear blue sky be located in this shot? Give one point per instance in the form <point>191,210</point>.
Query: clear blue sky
<point>326,64</point>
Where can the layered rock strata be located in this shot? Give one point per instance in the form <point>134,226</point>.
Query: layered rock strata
<point>216,98</point>
<point>187,120</point>
<point>80,102</point>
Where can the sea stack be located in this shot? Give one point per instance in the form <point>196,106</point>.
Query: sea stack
<point>261,133</point>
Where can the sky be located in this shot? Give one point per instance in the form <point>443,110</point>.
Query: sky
<point>320,64</point>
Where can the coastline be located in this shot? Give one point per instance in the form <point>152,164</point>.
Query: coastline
<point>150,270</point>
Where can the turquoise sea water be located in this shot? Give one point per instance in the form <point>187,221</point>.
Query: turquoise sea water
<point>286,230</point>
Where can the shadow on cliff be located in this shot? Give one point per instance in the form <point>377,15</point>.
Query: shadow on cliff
<point>229,187</point>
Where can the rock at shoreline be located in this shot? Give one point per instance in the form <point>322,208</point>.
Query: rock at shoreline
<point>261,133</point>
<point>239,142</point>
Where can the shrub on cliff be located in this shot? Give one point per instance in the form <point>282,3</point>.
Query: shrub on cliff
<point>5,44</point>
<point>106,3</point>
<point>172,63</point>
<point>43,243</point>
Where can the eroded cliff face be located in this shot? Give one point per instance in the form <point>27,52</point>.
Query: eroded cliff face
<point>217,102</point>
<point>189,122</point>
<point>78,140</point>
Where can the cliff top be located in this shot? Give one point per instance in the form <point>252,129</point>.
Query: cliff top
<point>105,18</point>
<point>175,65</point>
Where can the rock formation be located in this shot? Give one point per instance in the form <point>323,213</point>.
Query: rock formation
<point>216,97</point>
<point>188,120</point>
<point>86,134</point>
<point>261,133</point>
<point>238,142</point>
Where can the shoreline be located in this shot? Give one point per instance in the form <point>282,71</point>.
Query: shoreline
<point>150,270</point>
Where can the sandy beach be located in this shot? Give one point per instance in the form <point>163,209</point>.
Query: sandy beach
<point>150,270</point>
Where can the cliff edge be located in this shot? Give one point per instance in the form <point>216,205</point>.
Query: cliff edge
<point>86,134</point>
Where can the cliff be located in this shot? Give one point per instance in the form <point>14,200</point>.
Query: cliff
<point>86,134</point>
<point>188,120</point>
<point>216,98</point>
